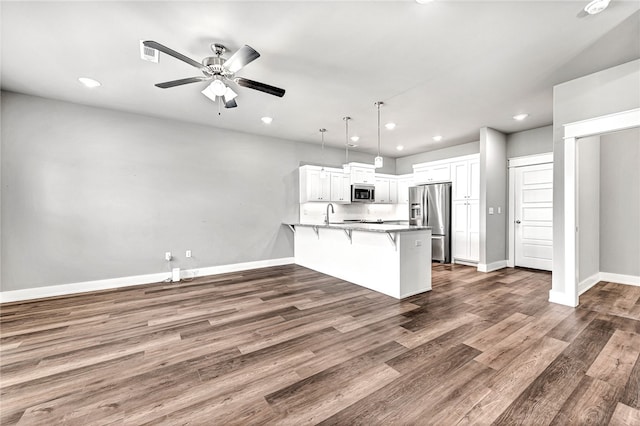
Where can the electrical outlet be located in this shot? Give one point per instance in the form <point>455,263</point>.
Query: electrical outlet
<point>188,253</point>
<point>167,256</point>
<point>418,243</point>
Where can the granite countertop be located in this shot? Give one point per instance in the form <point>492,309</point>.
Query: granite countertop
<point>369,227</point>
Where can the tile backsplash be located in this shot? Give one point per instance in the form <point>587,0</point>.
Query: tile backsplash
<point>315,212</point>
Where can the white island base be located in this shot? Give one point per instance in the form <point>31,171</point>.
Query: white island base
<point>395,262</point>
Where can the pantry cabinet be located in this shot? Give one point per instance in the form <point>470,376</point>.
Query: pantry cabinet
<point>465,174</point>
<point>466,230</point>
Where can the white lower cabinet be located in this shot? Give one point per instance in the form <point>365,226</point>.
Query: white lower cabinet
<point>465,230</point>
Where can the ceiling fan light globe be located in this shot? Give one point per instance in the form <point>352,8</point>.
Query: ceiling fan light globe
<point>209,94</point>
<point>229,95</point>
<point>218,88</point>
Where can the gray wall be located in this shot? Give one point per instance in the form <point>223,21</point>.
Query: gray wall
<point>588,154</point>
<point>493,193</point>
<point>620,202</point>
<point>92,194</point>
<point>405,164</point>
<point>612,90</point>
<point>530,142</point>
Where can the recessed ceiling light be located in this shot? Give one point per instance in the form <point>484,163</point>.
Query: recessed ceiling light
<point>399,147</point>
<point>266,120</point>
<point>596,6</point>
<point>390,126</point>
<point>355,138</point>
<point>423,1</point>
<point>520,117</point>
<point>437,138</point>
<point>89,82</point>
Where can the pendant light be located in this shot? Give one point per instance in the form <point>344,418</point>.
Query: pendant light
<point>323,173</point>
<point>378,160</point>
<point>346,166</point>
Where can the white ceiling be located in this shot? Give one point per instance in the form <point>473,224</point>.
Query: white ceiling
<point>447,67</point>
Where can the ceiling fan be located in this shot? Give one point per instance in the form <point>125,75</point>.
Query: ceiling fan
<point>219,71</point>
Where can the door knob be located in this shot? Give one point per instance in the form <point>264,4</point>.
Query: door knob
<point>518,222</point>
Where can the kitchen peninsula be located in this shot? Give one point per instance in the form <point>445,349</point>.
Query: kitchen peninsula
<point>392,259</point>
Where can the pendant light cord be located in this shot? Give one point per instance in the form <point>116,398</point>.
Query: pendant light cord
<point>378,105</point>
<point>346,141</point>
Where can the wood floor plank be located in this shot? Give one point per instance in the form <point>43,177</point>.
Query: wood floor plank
<point>617,359</point>
<point>288,345</point>
<point>625,416</point>
<point>512,380</point>
<point>592,402</point>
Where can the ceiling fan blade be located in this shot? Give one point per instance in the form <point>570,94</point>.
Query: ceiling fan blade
<point>256,85</point>
<point>171,52</point>
<point>231,104</point>
<point>242,57</point>
<point>174,83</point>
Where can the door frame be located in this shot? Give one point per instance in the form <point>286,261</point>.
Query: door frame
<point>564,289</point>
<point>512,164</point>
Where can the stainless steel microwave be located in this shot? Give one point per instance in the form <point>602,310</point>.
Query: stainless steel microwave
<point>362,193</point>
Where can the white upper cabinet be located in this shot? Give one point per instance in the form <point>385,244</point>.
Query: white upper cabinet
<point>314,185</point>
<point>362,173</point>
<point>404,182</point>
<point>386,189</point>
<point>340,187</point>
<point>432,172</point>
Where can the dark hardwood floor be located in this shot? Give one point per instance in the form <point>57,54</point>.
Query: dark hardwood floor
<point>287,345</point>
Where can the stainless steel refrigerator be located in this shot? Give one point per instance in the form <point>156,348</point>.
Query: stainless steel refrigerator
<point>430,205</point>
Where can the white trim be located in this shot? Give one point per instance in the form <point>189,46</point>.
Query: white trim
<point>587,283</point>
<point>111,283</point>
<point>620,279</point>
<point>445,161</point>
<point>572,132</point>
<point>603,124</point>
<point>490,267</point>
<point>562,299</point>
<point>530,160</point>
<point>235,267</point>
<point>511,228</point>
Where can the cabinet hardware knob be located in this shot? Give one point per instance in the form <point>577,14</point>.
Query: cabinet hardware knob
<point>518,222</point>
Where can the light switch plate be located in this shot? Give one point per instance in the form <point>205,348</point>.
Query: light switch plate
<point>490,210</point>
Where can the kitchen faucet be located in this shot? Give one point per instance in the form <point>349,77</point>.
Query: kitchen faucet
<point>326,220</point>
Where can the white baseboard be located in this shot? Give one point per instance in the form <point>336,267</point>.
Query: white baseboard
<point>562,298</point>
<point>465,262</point>
<point>490,267</point>
<point>111,283</point>
<point>587,283</point>
<point>620,279</point>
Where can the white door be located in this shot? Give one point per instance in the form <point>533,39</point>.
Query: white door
<point>534,216</point>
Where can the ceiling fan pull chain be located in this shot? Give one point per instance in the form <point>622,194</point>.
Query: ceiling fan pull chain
<point>219,103</point>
